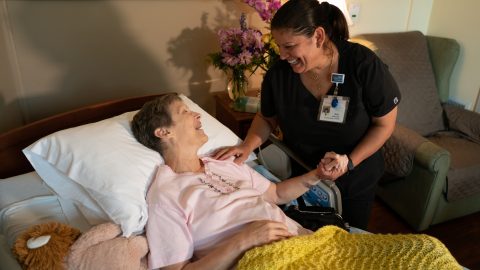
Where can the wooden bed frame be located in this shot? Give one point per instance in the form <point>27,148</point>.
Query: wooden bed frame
<point>12,160</point>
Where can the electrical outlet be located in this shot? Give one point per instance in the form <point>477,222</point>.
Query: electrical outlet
<point>354,10</point>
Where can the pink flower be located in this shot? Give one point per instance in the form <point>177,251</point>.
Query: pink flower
<point>265,8</point>
<point>240,47</point>
<point>245,48</point>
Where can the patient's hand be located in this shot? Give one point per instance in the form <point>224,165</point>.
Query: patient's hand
<point>262,232</point>
<point>332,166</point>
<point>240,152</point>
<point>228,251</point>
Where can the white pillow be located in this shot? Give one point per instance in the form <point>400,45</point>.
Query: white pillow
<point>105,171</point>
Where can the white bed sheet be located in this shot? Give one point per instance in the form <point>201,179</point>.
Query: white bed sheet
<point>25,201</point>
<point>21,187</point>
<point>7,261</point>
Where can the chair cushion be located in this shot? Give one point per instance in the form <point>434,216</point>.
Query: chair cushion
<point>407,57</point>
<point>463,177</point>
<point>463,121</point>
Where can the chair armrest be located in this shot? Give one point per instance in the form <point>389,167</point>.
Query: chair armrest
<point>415,197</point>
<point>464,121</point>
<point>400,150</point>
<point>427,155</point>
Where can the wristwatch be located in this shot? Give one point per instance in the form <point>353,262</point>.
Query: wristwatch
<point>350,164</point>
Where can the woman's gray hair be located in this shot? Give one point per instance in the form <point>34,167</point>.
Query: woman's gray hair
<point>154,114</point>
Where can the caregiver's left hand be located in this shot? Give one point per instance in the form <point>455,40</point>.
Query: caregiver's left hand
<point>332,166</point>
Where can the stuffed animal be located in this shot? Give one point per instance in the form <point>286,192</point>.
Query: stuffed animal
<point>102,247</point>
<point>44,246</point>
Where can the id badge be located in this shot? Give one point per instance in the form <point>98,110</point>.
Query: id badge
<point>333,109</point>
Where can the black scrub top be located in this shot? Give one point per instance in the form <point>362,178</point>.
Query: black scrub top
<point>368,83</point>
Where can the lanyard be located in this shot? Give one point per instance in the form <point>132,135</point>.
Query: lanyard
<point>336,78</point>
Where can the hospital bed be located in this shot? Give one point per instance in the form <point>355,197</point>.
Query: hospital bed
<point>83,168</point>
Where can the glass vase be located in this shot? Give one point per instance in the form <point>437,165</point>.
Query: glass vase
<point>237,84</point>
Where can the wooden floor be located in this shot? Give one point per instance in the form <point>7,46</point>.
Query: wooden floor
<point>461,236</point>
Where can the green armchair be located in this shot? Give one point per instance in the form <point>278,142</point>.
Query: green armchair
<point>433,157</point>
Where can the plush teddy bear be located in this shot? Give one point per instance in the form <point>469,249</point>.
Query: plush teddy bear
<point>102,247</point>
<point>44,246</point>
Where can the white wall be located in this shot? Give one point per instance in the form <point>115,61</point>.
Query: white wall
<point>460,20</point>
<point>10,112</point>
<point>377,16</point>
<point>58,55</point>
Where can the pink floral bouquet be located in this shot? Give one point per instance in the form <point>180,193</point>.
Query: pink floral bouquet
<point>247,48</point>
<point>266,9</point>
<point>241,48</point>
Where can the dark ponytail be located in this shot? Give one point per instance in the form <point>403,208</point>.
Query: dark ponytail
<point>304,16</point>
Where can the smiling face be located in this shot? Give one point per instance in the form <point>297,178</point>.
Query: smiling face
<point>186,128</point>
<point>300,51</point>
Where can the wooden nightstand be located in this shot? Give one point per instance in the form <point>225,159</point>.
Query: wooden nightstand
<point>238,122</point>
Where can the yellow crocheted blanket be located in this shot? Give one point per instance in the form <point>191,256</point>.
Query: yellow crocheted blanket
<point>333,248</point>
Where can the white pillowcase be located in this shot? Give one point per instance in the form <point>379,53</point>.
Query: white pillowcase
<point>105,171</point>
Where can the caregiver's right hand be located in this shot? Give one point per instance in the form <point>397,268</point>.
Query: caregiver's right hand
<point>240,152</point>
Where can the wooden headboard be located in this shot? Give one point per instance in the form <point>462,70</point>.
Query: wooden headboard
<point>12,160</point>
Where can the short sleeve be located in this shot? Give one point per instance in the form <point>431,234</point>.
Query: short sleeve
<point>259,182</point>
<point>381,93</point>
<point>169,239</point>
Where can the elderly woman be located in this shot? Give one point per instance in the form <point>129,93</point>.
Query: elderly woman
<point>205,213</point>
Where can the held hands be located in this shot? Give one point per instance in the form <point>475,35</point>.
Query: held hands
<point>240,152</point>
<point>332,166</point>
